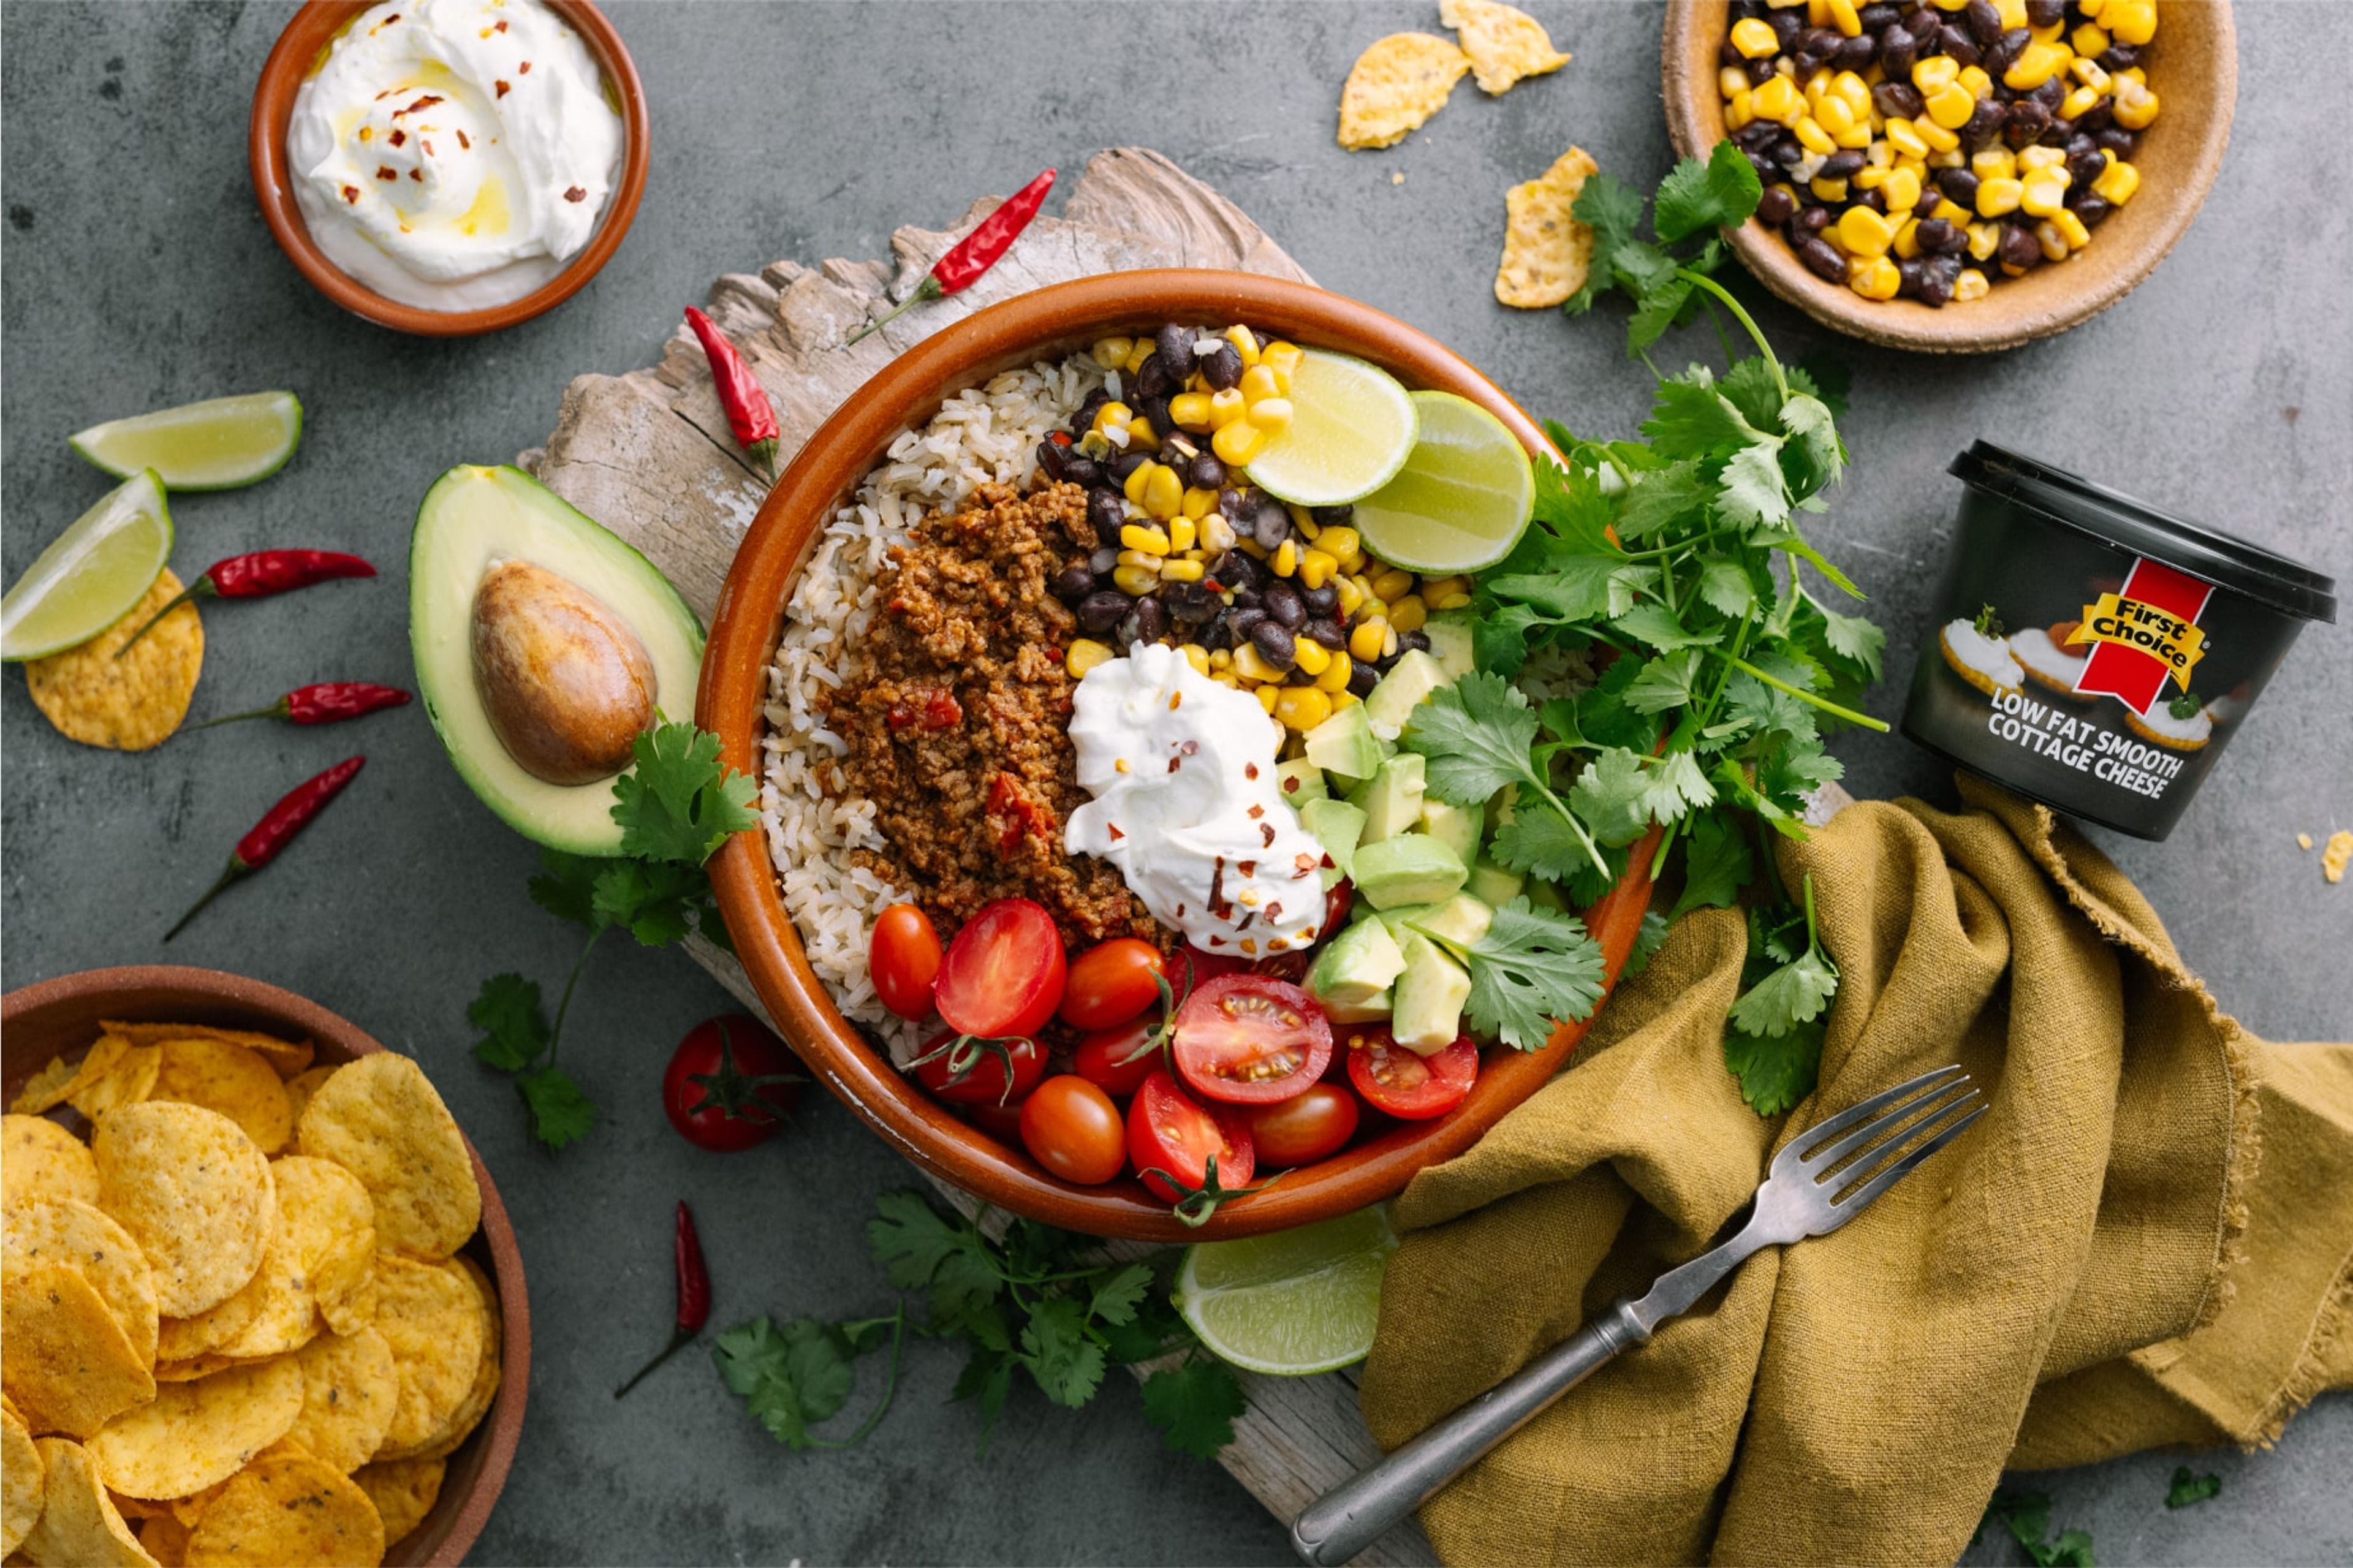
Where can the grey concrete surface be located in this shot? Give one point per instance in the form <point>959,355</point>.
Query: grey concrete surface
<point>135,272</point>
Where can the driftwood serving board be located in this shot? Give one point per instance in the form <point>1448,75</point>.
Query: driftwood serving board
<point>647,454</point>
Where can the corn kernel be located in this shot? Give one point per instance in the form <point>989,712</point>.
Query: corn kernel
<point>1142,559</point>
<point>1182,570</point>
<point>1907,240</point>
<point>1141,476</point>
<point>1843,18</point>
<point>1814,138</point>
<point>1902,190</point>
<point>1815,85</point>
<point>1258,382</point>
<point>2043,192</point>
<point>2137,73</point>
<point>2090,40</point>
<point>1134,580</point>
<point>1268,696</point>
<point>1864,232</point>
<point>1113,416</point>
<point>1111,353</point>
<point>1183,529</point>
<point>1408,614</point>
<point>1284,356</point>
<point>1868,179</point>
<point>1392,584</point>
<point>1144,539</point>
<point>1755,38</point>
<point>1163,492</point>
<point>2079,103</point>
<point>2014,14</point>
<point>1970,285</point>
<point>1237,443</point>
<point>1940,140</point>
<point>1245,344</point>
<point>1985,238</point>
<point>1216,534</point>
<point>1952,4</point>
<point>1996,197</point>
<point>1197,656</point>
<point>1878,155</point>
<point>1389,644</point>
<point>1285,559</point>
<point>2053,243</point>
<point>1084,654</point>
<point>1433,588</point>
<point>1226,406</point>
<point>2039,157</point>
<point>2090,75</point>
<point>1731,81</point>
<point>1950,211</point>
<point>1344,699</point>
<point>1338,542</point>
<point>1935,74</point>
<point>1316,567</point>
<point>1950,106</point>
<point>1271,414</point>
<point>1777,100</point>
<point>2132,22</point>
<point>1310,654</point>
<point>1137,353</point>
<point>1351,595</point>
<point>1739,111</point>
<point>2135,105</point>
<point>2036,64</point>
<point>1818,13</point>
<point>1828,190</point>
<point>2116,184</point>
<point>1336,670</point>
<point>1994,163</point>
<point>1221,659</point>
<point>1977,81</point>
<point>1251,666</point>
<point>1875,278</point>
<point>1142,436</point>
<point>1833,115</point>
<point>1364,637</point>
<point>1950,158</point>
<point>1303,707</point>
<point>1224,677</point>
<point>2073,227</point>
<point>1904,139</point>
<point>1250,547</point>
<point>1457,600</point>
<point>1198,504</point>
<point>1189,410</point>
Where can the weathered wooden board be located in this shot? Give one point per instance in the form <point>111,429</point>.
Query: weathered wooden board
<point>647,454</point>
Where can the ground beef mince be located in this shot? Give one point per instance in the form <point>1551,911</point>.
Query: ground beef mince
<point>957,718</point>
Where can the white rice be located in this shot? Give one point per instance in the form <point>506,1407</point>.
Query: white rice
<point>987,434</point>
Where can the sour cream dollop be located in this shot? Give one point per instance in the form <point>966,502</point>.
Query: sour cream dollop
<point>454,155</point>
<point>1187,805</point>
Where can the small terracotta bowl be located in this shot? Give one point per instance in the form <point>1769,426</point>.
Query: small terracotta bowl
<point>51,1018</point>
<point>1046,325</point>
<point>2194,67</point>
<point>299,52</point>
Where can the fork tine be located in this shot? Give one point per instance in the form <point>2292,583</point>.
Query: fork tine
<point>1845,1206</point>
<point>1813,1137</point>
<point>1871,1130</point>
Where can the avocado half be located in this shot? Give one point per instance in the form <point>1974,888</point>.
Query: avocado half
<point>472,519</point>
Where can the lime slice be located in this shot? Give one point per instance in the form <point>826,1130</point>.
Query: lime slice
<point>1462,499</point>
<point>91,576</point>
<point>1351,427</point>
<point>1290,1303</point>
<point>213,445</point>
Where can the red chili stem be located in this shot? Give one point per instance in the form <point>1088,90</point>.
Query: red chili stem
<point>693,1295</point>
<point>259,575</point>
<point>969,259</point>
<point>327,702</point>
<point>277,829</point>
<point>749,412</point>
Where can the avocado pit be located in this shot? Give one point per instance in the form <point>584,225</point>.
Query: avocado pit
<point>564,681</point>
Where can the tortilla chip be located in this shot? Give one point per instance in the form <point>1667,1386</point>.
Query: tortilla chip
<point>180,1342</point>
<point>302,1086</point>
<point>285,1318</point>
<point>81,1237</point>
<point>115,1072</point>
<point>333,1222</point>
<point>63,1353</point>
<point>78,1524</point>
<point>1505,46</point>
<point>285,1058</point>
<point>46,1089</point>
<point>403,1492</point>
<point>194,1434</point>
<point>288,1509</point>
<point>381,1119</point>
<point>1396,84</point>
<point>477,1403</point>
<point>193,1192</point>
<point>1547,253</point>
<point>133,703</point>
<point>350,1388</point>
<point>231,1079</point>
<point>21,1477</point>
<point>165,1538</point>
<point>40,1161</point>
<point>431,1316</point>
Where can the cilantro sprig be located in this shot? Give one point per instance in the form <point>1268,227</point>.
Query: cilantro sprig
<point>794,1378</point>
<point>675,808</point>
<point>2027,1517</point>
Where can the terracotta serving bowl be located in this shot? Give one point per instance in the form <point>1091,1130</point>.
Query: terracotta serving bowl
<point>2194,69</point>
<point>299,52</point>
<point>51,1018</point>
<point>1046,325</point>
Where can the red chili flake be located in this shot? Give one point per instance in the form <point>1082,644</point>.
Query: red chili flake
<point>1190,748</point>
<point>1176,700</point>
<point>1180,912</point>
<point>1256,812</point>
<point>388,21</point>
<point>577,193</point>
<point>1116,835</point>
<point>428,102</point>
<point>501,27</point>
<point>386,172</point>
<point>502,88</point>
<point>1060,437</point>
<point>1274,912</point>
<point>1306,863</point>
<point>465,141</point>
<point>1291,785</point>
<point>1247,867</point>
<point>351,193</point>
<point>1217,941</point>
<point>1268,829</point>
<point>399,138</point>
<point>1250,769</point>
<point>417,174</point>
<point>1175,762</point>
<point>524,70</point>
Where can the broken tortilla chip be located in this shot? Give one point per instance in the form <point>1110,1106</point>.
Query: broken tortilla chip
<point>41,1161</point>
<point>115,1072</point>
<point>287,1057</point>
<point>1395,86</point>
<point>21,1478</point>
<point>63,1353</point>
<point>1505,46</point>
<point>46,1089</point>
<point>133,703</point>
<point>78,1523</point>
<point>1547,253</point>
<point>403,1491</point>
<point>332,1220</point>
<point>303,1085</point>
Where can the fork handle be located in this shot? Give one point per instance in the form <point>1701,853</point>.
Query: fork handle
<point>1352,1516</point>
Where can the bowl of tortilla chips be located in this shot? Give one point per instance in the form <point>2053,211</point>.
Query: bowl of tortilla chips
<point>260,1302</point>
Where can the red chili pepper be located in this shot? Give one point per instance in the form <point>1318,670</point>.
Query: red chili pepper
<point>328,702</point>
<point>277,829</point>
<point>975,254</point>
<point>749,413</point>
<point>257,577</point>
<point>693,1295</point>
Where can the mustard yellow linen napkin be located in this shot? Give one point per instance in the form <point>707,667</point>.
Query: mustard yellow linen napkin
<point>2102,1264</point>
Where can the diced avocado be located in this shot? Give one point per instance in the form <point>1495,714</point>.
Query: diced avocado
<point>1455,827</point>
<point>1449,631</point>
<point>1413,677</point>
<point>1298,781</point>
<point>1427,1015</point>
<point>1357,966</point>
<point>1393,804</point>
<point>1410,868</point>
<point>1544,895</point>
<point>1344,744</point>
<point>1459,922</point>
<point>1373,1009</point>
<point>1337,825</point>
<point>1493,885</point>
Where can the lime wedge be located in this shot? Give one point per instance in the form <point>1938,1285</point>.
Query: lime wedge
<point>1294,1303</point>
<point>1351,427</point>
<point>91,576</point>
<point>1462,499</point>
<point>213,445</point>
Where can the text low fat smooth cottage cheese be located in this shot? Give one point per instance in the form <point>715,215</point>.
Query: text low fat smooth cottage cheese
<point>454,155</point>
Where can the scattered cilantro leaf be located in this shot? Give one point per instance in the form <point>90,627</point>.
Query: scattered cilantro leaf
<point>794,1377</point>
<point>1533,967</point>
<point>2027,1515</point>
<point>2190,1488</point>
<point>1194,1405</point>
<point>1795,993</point>
<point>560,1114</point>
<point>1067,1363</point>
<point>514,1028</point>
<point>680,801</point>
<point>1773,1038</point>
<point>1719,194</point>
<point>566,886</point>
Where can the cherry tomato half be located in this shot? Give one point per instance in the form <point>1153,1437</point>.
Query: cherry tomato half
<point>1072,1128</point>
<point>1168,1130</point>
<point>1252,1039</point>
<point>1003,974</point>
<point>1338,899</point>
<point>1310,1126</point>
<point>729,1083</point>
<point>1111,983</point>
<point>1188,969</point>
<point>1114,1060</point>
<point>904,960</point>
<point>977,1074</point>
<point>1406,1085</point>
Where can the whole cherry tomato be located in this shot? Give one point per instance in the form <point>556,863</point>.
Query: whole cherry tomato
<point>1002,1123</point>
<point>1111,983</point>
<point>1168,1130</point>
<point>1249,1039</point>
<point>1310,1126</point>
<point>1117,1060</point>
<point>965,1072</point>
<point>1072,1128</point>
<point>729,1083</point>
<point>904,957</point>
<point>1003,974</point>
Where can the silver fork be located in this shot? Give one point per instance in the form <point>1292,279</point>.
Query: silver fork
<point>1807,1192</point>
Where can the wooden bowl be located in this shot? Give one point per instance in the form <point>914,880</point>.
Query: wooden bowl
<point>1048,324</point>
<point>298,52</point>
<point>51,1018</point>
<point>2194,68</point>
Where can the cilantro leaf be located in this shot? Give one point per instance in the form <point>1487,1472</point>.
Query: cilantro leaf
<point>793,1377</point>
<point>1797,992</point>
<point>566,886</point>
<point>921,1251</point>
<point>1116,1299</point>
<point>1692,419</point>
<point>1719,194</point>
<point>1194,1405</point>
<point>1725,584</point>
<point>1816,438</point>
<point>1533,967</point>
<point>1661,498</point>
<point>1066,1363</point>
<point>1571,504</point>
<point>2190,1488</point>
<point>1663,683</point>
<point>1855,637</point>
<point>1648,938</point>
<point>515,1029</point>
<point>1716,864</point>
<point>1775,1072</point>
<point>654,900</point>
<point>679,802</point>
<point>1818,373</point>
<point>1754,494</point>
<point>560,1114</point>
<point>1500,637</point>
<point>1748,385</point>
<point>1610,796</point>
<point>1659,305</point>
<point>1574,587</point>
<point>1540,840</point>
<point>987,1378</point>
<point>1674,786</point>
<point>1611,209</point>
<point>1476,734</point>
<point>2027,1517</point>
<point>1656,624</point>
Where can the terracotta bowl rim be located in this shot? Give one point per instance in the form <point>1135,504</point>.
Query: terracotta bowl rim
<point>2016,312</point>
<point>1041,324</point>
<point>221,994</point>
<point>282,75</point>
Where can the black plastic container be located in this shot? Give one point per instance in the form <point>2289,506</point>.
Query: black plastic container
<point>2093,653</point>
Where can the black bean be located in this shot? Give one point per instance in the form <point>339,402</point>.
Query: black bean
<point>1320,601</point>
<point>1728,54</point>
<point>1363,678</point>
<point>1223,369</point>
<point>1086,416</point>
<point>1175,344</point>
<point>1896,99</point>
<point>2097,119</point>
<point>1808,62</point>
<point>1875,19</point>
<point>1417,640</point>
<point>1759,71</point>
<point>1100,612</point>
<point>2119,57</point>
<point>1333,516</point>
<point>1984,125</point>
<point>1158,376</point>
<point>1079,469</point>
<point>2051,95</point>
<point>1844,163</point>
<point>1325,634</point>
<point>2081,170</point>
<point>1960,184</point>
<point>1125,464</point>
<point>1154,411</point>
<point>1189,602</point>
<point>1813,220</point>
<point>1151,619</point>
<point>1756,135</point>
<point>1271,524</point>
<point>1106,509</point>
<point>1381,665</point>
<point>1787,150</point>
<point>1075,583</point>
<point>1925,23</point>
<point>1820,259</point>
<point>1776,205</point>
<point>1899,52</point>
<point>1767,170</point>
<point>1787,24</point>
<point>2003,52</point>
<point>2117,140</point>
<point>1206,473</point>
<point>1217,632</point>
<point>2024,122</point>
<point>2043,13</point>
<point>2019,248</point>
<point>1875,200</point>
<point>1909,271</point>
<point>2093,210</point>
<point>1983,19</point>
<point>1054,460</point>
<point>1856,54</point>
<point>1275,645</point>
<point>1958,45</point>
<point>1936,236</point>
<point>1248,599</point>
<point>1283,604</point>
<point>1236,570</point>
<point>1243,620</point>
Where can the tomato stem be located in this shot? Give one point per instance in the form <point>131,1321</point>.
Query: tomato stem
<point>1196,1205</point>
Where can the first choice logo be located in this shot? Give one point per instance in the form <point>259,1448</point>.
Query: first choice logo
<point>2143,635</point>
<point>2138,624</point>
